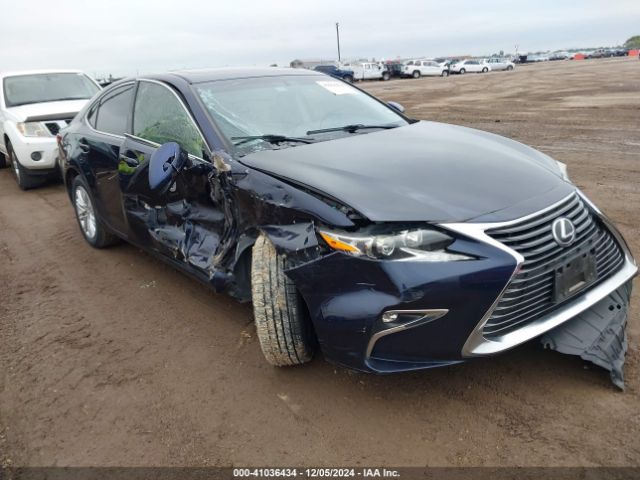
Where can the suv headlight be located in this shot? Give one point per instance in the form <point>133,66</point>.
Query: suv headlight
<point>417,244</point>
<point>33,129</point>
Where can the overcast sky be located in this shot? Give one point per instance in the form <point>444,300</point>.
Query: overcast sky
<point>140,36</point>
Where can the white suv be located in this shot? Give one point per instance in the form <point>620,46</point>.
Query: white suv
<point>34,106</point>
<point>466,66</point>
<point>418,68</point>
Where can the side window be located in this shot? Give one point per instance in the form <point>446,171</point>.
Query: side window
<point>159,116</point>
<point>92,115</point>
<point>114,109</point>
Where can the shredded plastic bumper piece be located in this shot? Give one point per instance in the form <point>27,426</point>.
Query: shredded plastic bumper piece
<point>598,334</point>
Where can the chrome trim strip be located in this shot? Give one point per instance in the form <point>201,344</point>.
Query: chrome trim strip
<point>427,316</point>
<point>477,344</point>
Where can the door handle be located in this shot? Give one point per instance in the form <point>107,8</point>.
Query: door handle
<point>84,147</point>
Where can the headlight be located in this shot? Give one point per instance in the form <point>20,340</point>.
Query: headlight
<point>563,171</point>
<point>418,244</point>
<point>33,129</point>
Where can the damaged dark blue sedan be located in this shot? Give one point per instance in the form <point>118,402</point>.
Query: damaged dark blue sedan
<point>389,243</point>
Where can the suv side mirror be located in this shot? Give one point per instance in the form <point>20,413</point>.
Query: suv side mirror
<point>165,164</point>
<point>396,106</point>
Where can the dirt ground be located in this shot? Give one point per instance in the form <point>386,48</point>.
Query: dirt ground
<point>111,358</point>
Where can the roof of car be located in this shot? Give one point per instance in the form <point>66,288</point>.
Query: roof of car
<point>14,73</point>
<point>228,73</point>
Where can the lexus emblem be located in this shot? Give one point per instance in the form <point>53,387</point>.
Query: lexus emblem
<point>564,232</point>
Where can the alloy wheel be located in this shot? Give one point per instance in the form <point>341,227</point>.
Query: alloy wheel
<point>85,212</point>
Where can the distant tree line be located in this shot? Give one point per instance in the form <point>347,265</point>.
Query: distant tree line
<point>633,42</point>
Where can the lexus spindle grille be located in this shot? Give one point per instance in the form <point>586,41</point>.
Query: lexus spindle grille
<point>530,294</point>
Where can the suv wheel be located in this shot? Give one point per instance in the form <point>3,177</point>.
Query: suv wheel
<point>348,79</point>
<point>23,178</point>
<point>282,323</point>
<point>385,76</point>
<point>462,71</point>
<point>416,74</point>
<point>445,73</point>
<point>510,67</point>
<point>93,229</point>
<point>485,70</point>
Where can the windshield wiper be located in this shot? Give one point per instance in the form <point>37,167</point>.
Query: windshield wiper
<point>350,128</point>
<point>270,139</point>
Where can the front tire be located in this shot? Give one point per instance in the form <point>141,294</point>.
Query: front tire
<point>348,79</point>
<point>485,70</point>
<point>385,76</point>
<point>445,73</point>
<point>282,323</point>
<point>416,74</point>
<point>462,71</point>
<point>23,178</point>
<point>91,226</point>
<point>3,161</point>
<point>510,67</point>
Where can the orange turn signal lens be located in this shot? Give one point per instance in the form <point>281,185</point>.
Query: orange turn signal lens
<point>336,244</point>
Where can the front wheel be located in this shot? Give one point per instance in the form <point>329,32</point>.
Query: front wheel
<point>92,228</point>
<point>510,67</point>
<point>485,70</point>
<point>416,74</point>
<point>282,323</point>
<point>445,73</point>
<point>24,179</point>
<point>462,71</point>
<point>348,79</point>
<point>385,76</point>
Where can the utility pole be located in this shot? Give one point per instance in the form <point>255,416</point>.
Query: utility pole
<point>338,38</point>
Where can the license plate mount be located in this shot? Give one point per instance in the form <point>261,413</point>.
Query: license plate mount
<point>574,276</point>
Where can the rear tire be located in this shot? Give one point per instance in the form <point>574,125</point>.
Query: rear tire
<point>485,70</point>
<point>416,74</point>
<point>445,73</point>
<point>510,67</point>
<point>92,227</point>
<point>385,76</point>
<point>283,329</point>
<point>348,79</point>
<point>24,179</point>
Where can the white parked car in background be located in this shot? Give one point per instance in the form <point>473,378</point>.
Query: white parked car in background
<point>469,66</point>
<point>367,71</point>
<point>419,68</point>
<point>34,106</point>
<point>496,64</point>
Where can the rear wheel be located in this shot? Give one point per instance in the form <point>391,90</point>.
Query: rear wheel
<point>348,79</point>
<point>282,323</point>
<point>93,229</point>
<point>445,73</point>
<point>485,70</point>
<point>510,67</point>
<point>24,179</point>
<point>385,76</point>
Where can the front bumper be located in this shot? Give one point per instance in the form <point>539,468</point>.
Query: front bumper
<point>347,297</point>
<point>47,148</point>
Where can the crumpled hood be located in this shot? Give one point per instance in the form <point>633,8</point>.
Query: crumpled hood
<point>425,171</point>
<point>24,112</point>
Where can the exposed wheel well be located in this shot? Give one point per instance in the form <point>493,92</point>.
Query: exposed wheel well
<point>68,179</point>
